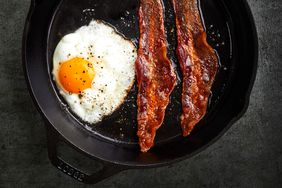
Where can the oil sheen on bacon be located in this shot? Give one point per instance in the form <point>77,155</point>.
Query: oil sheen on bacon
<point>198,62</point>
<point>155,75</point>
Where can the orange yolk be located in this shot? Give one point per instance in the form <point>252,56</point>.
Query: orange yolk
<point>76,75</point>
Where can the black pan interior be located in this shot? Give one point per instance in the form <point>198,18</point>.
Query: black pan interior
<point>120,128</point>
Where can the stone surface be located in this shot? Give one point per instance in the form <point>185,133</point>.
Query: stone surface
<point>248,155</point>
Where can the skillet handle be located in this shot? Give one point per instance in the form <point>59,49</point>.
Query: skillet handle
<point>53,138</point>
<point>35,2</point>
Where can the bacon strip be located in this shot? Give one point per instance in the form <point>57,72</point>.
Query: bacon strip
<point>155,75</point>
<point>198,61</point>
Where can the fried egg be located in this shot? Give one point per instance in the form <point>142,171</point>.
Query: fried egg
<point>93,69</point>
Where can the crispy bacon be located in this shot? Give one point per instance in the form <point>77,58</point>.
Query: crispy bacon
<point>155,75</point>
<point>198,62</point>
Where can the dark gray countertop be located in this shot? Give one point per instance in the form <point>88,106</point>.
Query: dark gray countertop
<point>248,155</point>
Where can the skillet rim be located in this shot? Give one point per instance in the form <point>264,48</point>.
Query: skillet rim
<point>246,97</point>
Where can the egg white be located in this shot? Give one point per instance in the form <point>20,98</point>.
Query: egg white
<point>113,59</point>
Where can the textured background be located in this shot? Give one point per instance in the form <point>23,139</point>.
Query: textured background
<point>248,155</point>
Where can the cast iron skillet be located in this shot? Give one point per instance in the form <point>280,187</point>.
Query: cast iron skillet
<point>113,142</point>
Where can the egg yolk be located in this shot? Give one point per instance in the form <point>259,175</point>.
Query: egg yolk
<point>76,75</point>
